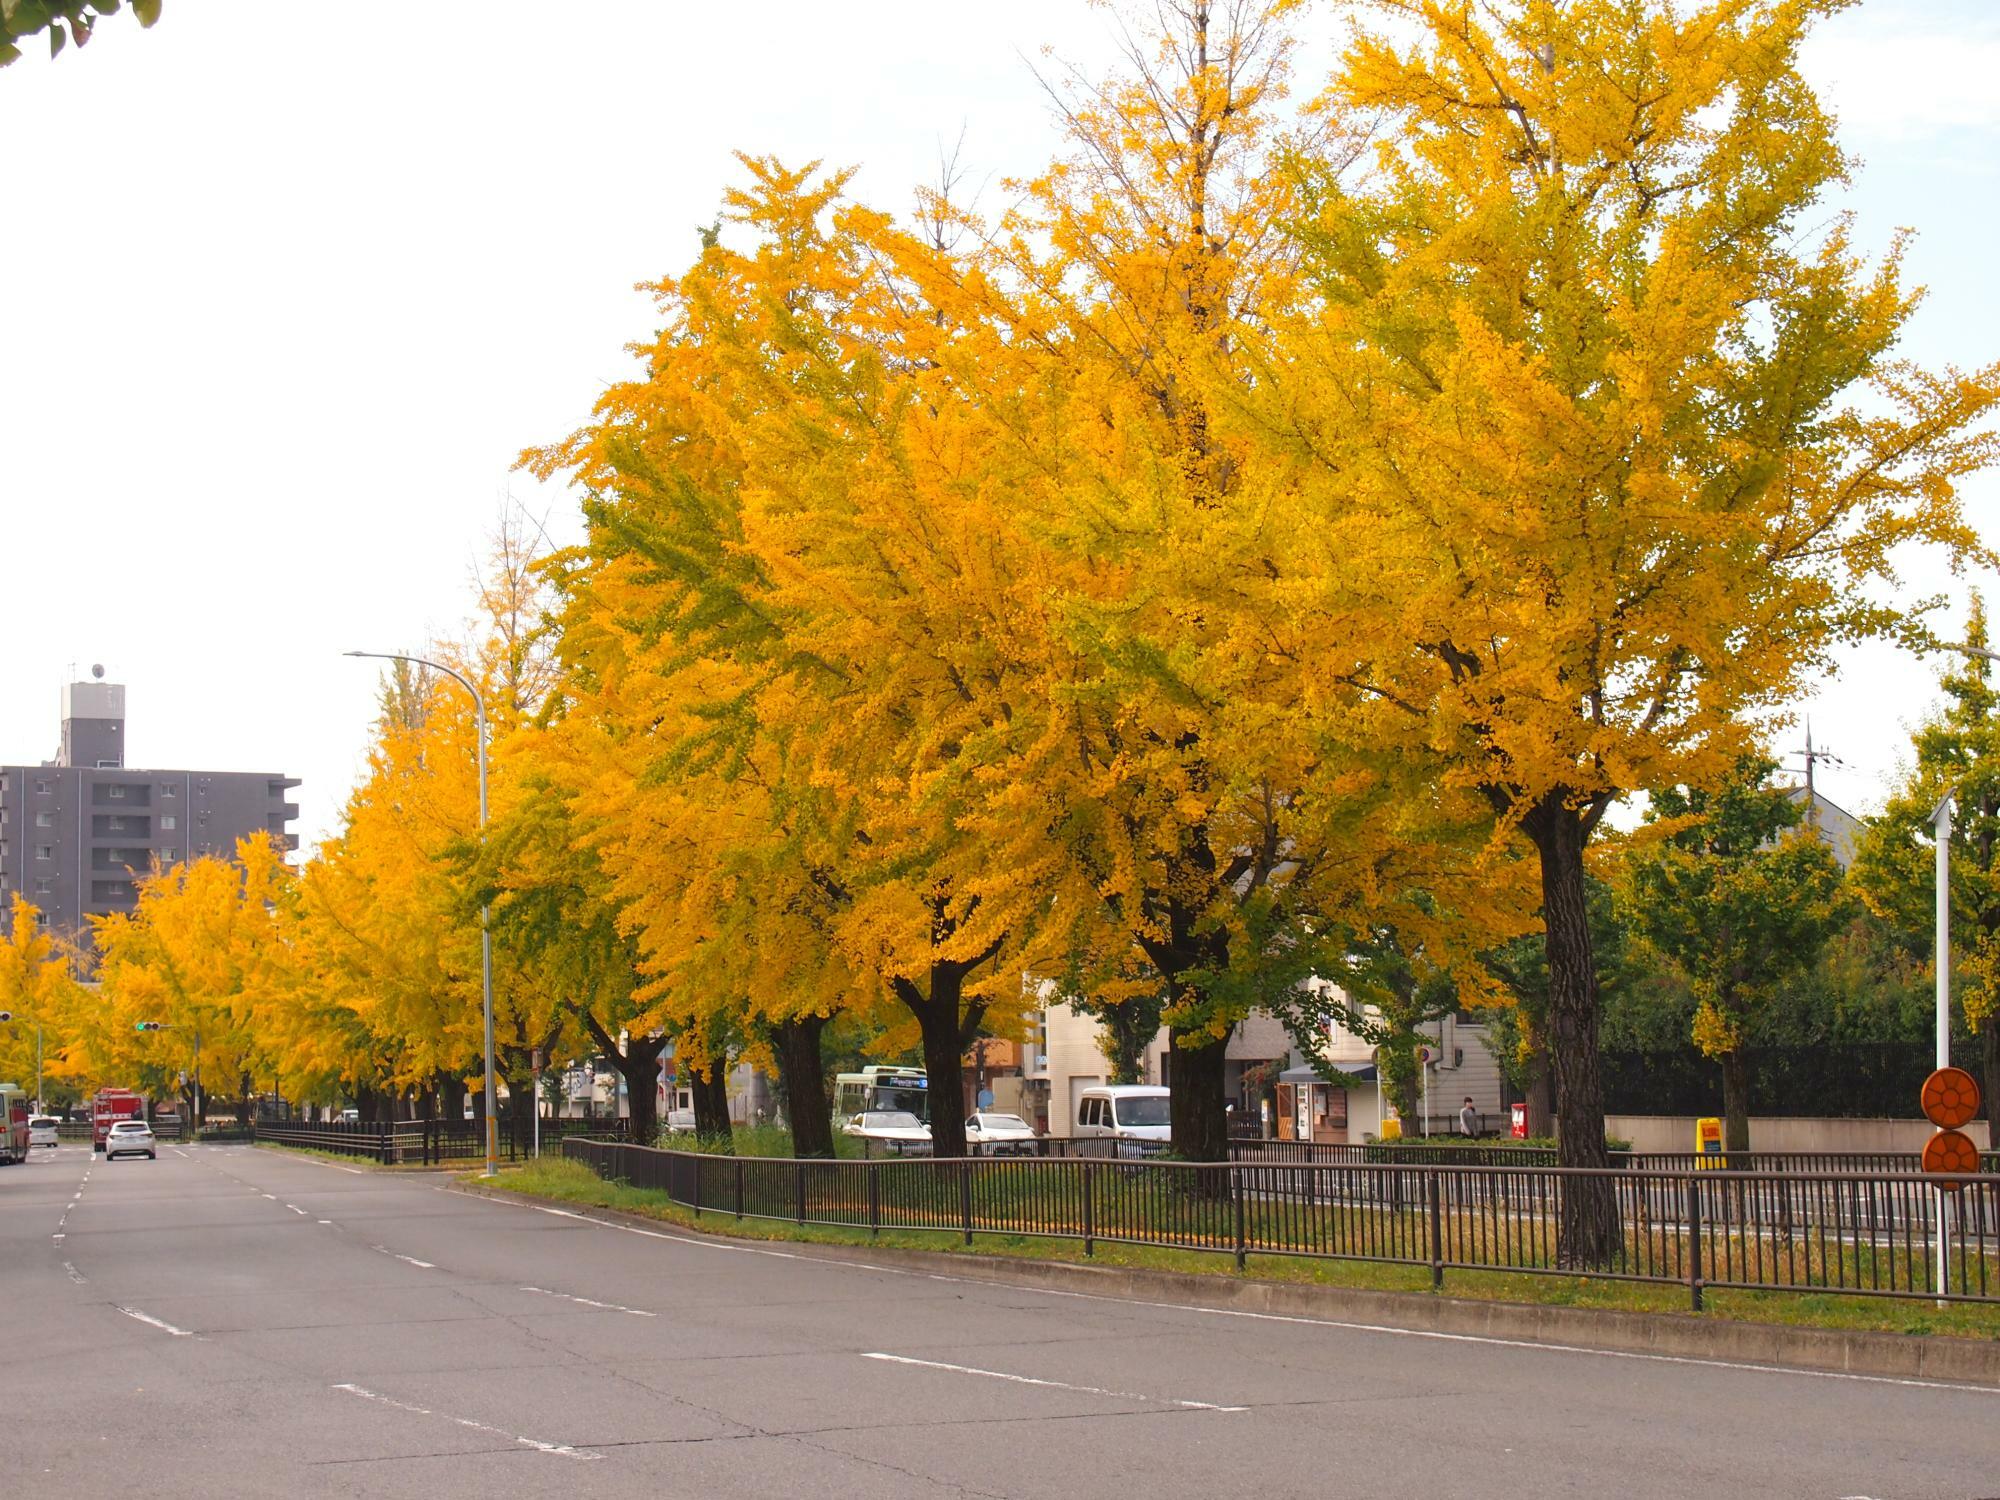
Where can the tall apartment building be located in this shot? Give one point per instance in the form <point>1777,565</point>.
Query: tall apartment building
<point>77,832</point>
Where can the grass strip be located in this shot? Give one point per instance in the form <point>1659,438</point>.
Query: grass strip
<point>571,1182</point>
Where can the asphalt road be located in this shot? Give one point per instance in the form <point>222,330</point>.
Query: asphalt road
<point>236,1322</point>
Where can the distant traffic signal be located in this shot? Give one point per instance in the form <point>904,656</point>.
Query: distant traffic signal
<point>149,1026</point>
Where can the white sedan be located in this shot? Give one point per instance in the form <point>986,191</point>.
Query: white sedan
<point>990,1134</point>
<point>131,1138</point>
<point>895,1132</point>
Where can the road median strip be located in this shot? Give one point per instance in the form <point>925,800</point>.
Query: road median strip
<point>1902,1358</point>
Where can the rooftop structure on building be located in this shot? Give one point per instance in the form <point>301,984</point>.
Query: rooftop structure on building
<point>77,833</point>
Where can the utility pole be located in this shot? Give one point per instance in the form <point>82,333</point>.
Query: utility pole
<point>485,934</point>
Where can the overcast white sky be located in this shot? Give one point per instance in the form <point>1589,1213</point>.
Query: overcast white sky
<point>287,294</point>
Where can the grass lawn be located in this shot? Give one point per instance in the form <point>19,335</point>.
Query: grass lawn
<point>572,1182</point>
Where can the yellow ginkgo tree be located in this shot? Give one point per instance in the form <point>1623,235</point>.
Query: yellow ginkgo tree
<point>1597,404</point>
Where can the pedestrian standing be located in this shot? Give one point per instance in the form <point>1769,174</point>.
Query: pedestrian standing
<point>1468,1118</point>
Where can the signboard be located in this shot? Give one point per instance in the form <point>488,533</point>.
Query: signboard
<point>1519,1128</point>
<point>1950,1098</point>
<point>1707,1142</point>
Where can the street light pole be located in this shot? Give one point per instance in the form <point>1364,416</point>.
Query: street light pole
<point>485,933</point>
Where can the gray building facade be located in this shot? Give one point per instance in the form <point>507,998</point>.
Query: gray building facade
<point>78,833</point>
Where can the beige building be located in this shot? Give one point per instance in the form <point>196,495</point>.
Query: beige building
<point>1070,1059</point>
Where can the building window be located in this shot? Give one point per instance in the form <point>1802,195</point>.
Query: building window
<point>167,854</point>
<point>168,791</point>
<point>115,792</point>
<point>45,851</point>
<point>44,884</point>
<point>168,823</point>
<point>45,820</point>
<point>41,787</point>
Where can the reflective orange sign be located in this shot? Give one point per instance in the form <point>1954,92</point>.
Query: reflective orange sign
<point>1951,1151</point>
<point>1950,1098</point>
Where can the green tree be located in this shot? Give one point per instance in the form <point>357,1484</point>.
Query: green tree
<point>1739,899</point>
<point>1895,865</point>
<point>23,18</point>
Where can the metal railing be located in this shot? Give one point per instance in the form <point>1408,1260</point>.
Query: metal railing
<point>1796,1230</point>
<point>428,1143</point>
<point>1500,1153</point>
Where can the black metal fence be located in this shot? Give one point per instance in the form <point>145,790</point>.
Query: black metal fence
<point>427,1143</point>
<point>1795,1230</point>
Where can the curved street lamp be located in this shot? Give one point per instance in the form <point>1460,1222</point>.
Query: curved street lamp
<point>485,936</point>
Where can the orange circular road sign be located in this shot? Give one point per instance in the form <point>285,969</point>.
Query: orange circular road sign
<point>1952,1152</point>
<point>1950,1098</point>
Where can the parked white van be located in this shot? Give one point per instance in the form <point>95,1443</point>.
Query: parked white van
<point>1132,1114</point>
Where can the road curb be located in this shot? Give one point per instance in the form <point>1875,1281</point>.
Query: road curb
<point>1965,1361</point>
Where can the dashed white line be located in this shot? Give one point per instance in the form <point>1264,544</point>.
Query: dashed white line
<point>179,1333</point>
<point>1060,1385</point>
<point>74,1274</point>
<point>297,1210</point>
<point>422,1265</point>
<point>1490,1340</point>
<point>587,1302</point>
<point>563,1449</point>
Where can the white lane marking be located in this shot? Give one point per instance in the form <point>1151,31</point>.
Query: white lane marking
<point>179,1333</point>
<point>1060,1385</point>
<point>1232,1312</point>
<point>326,1221</point>
<point>422,1265</point>
<point>297,1210</point>
<point>606,1306</point>
<point>74,1274</point>
<point>272,1196</point>
<point>178,1152</point>
<point>423,1411</point>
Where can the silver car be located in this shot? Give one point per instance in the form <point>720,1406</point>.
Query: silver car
<point>131,1138</point>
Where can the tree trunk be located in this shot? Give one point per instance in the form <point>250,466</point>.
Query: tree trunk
<point>803,1073</point>
<point>1735,1101</point>
<point>1541,1108</point>
<point>1196,1104</point>
<point>451,1097</point>
<point>1587,1233</point>
<point>943,1051</point>
<point>711,1102</point>
<point>1128,1028</point>
<point>639,1065</point>
<point>1989,1052</point>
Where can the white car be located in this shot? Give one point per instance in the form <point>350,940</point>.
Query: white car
<point>991,1134</point>
<point>1134,1116</point>
<point>42,1131</point>
<point>896,1132</point>
<point>131,1138</point>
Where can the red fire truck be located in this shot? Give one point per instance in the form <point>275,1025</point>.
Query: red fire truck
<point>108,1108</point>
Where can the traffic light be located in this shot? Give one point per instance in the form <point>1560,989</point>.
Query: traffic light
<point>149,1026</point>
<point>1950,1099</point>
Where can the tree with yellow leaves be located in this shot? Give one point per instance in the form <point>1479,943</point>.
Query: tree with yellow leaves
<point>198,960</point>
<point>36,988</point>
<point>1599,420</point>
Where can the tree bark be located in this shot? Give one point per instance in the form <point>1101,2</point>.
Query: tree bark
<point>711,1103</point>
<point>803,1074</point>
<point>451,1097</point>
<point>943,1065</point>
<point>1735,1101</point>
<point>1196,1104</point>
<point>1587,1233</point>
<point>1989,1052</point>
<point>1541,1107</point>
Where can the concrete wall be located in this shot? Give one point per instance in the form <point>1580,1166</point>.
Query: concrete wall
<point>1676,1133</point>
